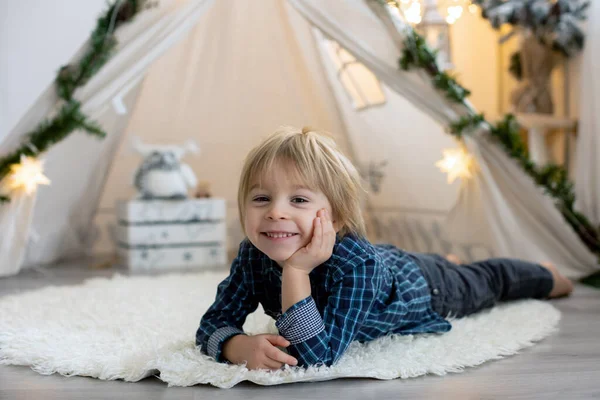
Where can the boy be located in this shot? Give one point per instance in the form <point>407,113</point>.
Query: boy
<point>306,260</point>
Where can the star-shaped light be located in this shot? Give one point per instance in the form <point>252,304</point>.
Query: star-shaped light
<point>27,175</point>
<point>457,163</point>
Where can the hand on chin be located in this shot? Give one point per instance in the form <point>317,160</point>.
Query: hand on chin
<point>318,250</point>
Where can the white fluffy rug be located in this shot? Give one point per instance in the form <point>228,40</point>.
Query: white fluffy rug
<point>132,327</point>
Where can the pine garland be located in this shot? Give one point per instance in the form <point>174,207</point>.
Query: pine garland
<point>424,58</point>
<point>553,178</point>
<point>465,123</point>
<point>50,132</point>
<point>70,77</point>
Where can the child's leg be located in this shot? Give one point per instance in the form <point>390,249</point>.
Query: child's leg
<point>460,290</point>
<point>504,279</point>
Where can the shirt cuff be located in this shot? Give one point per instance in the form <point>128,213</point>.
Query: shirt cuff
<point>300,322</point>
<point>216,340</point>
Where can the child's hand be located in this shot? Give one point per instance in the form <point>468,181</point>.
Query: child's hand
<point>319,249</point>
<point>259,351</point>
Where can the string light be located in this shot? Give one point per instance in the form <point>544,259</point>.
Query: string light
<point>413,9</point>
<point>27,175</point>
<point>456,163</point>
<point>454,13</point>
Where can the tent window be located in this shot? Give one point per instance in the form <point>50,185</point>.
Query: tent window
<point>360,84</point>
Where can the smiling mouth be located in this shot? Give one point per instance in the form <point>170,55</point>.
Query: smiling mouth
<point>278,235</point>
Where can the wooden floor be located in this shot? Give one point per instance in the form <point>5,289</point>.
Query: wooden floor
<point>564,366</point>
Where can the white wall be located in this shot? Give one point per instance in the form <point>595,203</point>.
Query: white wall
<point>37,37</point>
<point>475,55</point>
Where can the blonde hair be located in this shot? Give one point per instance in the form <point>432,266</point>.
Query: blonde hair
<point>319,163</point>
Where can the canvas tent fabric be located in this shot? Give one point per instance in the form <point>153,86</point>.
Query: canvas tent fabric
<point>227,74</point>
<point>60,222</point>
<point>587,171</point>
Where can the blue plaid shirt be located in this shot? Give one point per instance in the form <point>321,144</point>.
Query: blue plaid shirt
<point>362,292</point>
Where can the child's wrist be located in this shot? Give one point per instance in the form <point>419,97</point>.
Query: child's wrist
<point>229,347</point>
<point>291,270</point>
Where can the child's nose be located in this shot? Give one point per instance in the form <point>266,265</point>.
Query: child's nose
<point>276,211</point>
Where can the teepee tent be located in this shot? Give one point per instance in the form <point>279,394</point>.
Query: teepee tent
<point>226,73</point>
<point>588,142</point>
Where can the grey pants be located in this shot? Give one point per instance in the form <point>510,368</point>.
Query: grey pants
<point>461,290</point>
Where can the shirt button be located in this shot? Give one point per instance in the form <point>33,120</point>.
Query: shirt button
<point>436,291</point>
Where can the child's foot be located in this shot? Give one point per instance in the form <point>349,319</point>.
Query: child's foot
<point>562,285</point>
<point>453,258</point>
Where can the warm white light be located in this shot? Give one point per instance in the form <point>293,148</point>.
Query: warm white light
<point>27,175</point>
<point>457,163</point>
<point>413,12</point>
<point>418,11</point>
<point>455,12</point>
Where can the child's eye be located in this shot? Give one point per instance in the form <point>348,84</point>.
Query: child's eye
<point>299,200</point>
<point>260,199</point>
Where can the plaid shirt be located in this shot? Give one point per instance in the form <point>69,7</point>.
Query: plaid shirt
<point>362,292</point>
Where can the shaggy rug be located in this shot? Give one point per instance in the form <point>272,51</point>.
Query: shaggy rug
<point>133,327</point>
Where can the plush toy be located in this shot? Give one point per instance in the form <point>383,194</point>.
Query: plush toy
<point>161,174</point>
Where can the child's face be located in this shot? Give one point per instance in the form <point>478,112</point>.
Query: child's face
<point>280,214</point>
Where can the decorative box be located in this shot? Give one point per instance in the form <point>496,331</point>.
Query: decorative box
<point>171,234</point>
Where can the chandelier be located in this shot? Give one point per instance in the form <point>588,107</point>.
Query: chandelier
<point>451,10</point>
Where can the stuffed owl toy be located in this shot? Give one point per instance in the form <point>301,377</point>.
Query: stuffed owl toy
<point>161,174</point>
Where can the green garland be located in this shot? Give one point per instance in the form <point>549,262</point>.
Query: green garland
<point>70,77</point>
<point>553,178</point>
<point>465,123</point>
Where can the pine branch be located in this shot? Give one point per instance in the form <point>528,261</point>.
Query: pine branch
<point>416,53</point>
<point>552,178</point>
<point>465,123</point>
<point>45,135</point>
<point>101,47</point>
